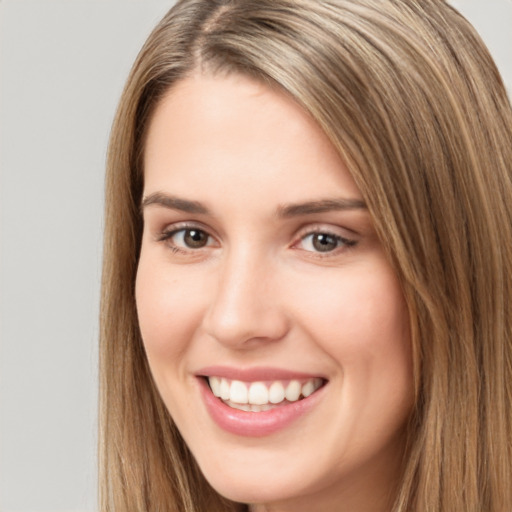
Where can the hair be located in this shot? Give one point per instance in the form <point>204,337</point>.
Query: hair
<point>410,97</point>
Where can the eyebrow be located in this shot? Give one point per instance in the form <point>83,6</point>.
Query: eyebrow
<point>283,211</point>
<point>174,203</point>
<point>321,206</point>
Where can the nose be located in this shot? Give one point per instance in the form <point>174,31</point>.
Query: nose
<point>245,308</point>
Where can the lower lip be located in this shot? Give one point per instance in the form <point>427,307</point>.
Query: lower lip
<point>255,424</point>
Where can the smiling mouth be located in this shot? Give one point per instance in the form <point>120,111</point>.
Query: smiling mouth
<point>262,396</point>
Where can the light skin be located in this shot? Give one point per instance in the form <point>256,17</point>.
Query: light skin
<point>258,252</point>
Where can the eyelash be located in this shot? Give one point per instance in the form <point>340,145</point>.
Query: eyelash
<point>167,235</point>
<point>342,243</point>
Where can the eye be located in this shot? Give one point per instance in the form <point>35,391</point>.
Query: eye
<point>324,242</point>
<point>187,238</point>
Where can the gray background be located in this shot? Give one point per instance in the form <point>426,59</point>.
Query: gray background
<point>62,67</point>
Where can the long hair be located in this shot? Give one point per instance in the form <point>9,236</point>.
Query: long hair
<point>411,99</point>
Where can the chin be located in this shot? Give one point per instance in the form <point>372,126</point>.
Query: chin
<point>257,488</point>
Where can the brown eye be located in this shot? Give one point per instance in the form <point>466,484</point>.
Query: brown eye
<point>194,238</point>
<point>323,242</point>
<point>186,239</point>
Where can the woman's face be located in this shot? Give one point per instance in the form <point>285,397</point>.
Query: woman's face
<point>261,278</point>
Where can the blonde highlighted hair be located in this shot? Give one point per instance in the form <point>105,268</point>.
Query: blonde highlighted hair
<point>410,97</point>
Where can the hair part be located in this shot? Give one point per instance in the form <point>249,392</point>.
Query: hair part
<point>411,99</point>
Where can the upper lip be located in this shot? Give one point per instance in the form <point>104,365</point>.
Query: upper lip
<point>257,373</point>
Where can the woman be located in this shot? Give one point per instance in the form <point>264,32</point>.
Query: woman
<point>306,288</point>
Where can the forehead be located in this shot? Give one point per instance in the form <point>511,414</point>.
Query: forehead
<point>230,133</point>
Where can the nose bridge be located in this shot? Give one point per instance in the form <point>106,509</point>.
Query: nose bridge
<point>244,306</point>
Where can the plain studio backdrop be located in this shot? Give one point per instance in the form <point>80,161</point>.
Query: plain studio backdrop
<point>62,68</point>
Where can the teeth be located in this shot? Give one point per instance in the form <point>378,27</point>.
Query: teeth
<point>224,389</point>
<point>242,407</point>
<point>276,393</point>
<point>259,408</point>
<point>293,390</point>
<point>308,388</point>
<point>238,393</point>
<point>258,393</point>
<point>215,385</point>
<point>260,396</point>
<point>249,407</point>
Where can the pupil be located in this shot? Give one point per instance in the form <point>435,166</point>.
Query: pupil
<point>324,243</point>
<point>195,238</point>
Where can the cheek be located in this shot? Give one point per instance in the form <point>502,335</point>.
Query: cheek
<point>364,328</point>
<point>361,321</point>
<point>167,309</point>
<point>362,307</point>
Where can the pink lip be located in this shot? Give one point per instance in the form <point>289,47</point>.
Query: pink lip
<point>253,374</point>
<point>255,424</point>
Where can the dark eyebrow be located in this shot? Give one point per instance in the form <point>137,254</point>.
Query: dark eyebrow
<point>321,206</point>
<point>291,210</point>
<point>174,203</point>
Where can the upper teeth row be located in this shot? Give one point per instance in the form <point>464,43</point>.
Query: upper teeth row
<point>259,393</point>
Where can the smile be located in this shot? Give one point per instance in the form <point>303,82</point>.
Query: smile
<point>262,396</point>
<point>259,402</point>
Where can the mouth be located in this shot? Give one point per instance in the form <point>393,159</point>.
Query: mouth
<point>262,396</point>
<point>259,401</point>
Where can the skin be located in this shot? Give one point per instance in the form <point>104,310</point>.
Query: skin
<point>259,293</point>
